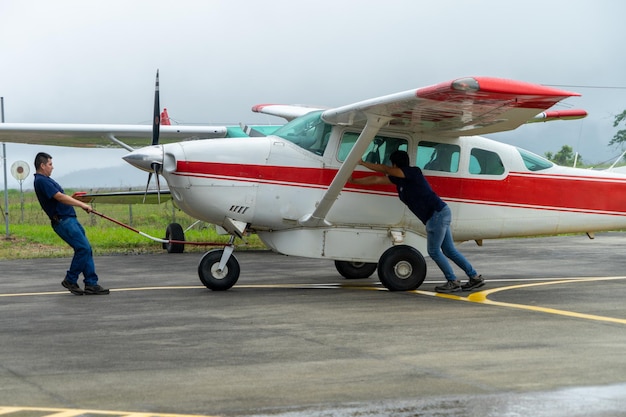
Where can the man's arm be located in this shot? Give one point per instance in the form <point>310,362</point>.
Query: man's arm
<point>71,201</point>
<point>371,180</point>
<point>385,169</point>
<point>377,179</point>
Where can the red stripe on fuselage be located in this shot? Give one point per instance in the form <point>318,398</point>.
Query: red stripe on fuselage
<point>518,189</point>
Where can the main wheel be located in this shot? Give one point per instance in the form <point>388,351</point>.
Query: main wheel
<point>355,270</point>
<point>401,268</point>
<point>212,277</point>
<point>174,231</point>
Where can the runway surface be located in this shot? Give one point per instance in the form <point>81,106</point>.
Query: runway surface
<point>545,337</point>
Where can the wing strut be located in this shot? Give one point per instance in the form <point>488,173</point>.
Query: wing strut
<point>318,217</point>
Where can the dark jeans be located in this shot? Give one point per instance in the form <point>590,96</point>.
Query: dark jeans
<point>72,232</point>
<point>441,245</point>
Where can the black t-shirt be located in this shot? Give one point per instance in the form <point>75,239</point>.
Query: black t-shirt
<point>415,192</point>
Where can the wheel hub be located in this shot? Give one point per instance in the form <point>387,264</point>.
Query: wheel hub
<point>218,273</point>
<point>403,269</point>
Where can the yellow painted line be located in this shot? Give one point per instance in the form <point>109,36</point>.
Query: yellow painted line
<point>29,294</point>
<point>481,297</point>
<point>67,412</point>
<point>200,287</point>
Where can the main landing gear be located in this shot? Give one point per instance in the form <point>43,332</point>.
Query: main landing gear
<point>400,268</point>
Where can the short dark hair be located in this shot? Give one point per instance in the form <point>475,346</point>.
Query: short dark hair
<point>400,159</point>
<point>41,158</point>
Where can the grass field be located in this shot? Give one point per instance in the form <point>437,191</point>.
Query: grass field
<point>30,234</point>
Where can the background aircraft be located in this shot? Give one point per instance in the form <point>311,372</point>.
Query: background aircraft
<point>290,188</point>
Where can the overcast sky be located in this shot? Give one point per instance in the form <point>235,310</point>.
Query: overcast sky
<point>76,61</point>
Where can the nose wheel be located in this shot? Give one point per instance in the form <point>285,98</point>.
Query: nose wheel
<point>219,269</point>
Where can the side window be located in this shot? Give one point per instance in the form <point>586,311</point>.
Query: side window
<point>434,156</point>
<point>484,162</point>
<point>377,152</point>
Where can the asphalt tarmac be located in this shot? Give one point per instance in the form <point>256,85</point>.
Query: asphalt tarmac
<point>545,337</point>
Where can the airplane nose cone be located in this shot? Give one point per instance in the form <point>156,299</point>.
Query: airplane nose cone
<point>145,158</point>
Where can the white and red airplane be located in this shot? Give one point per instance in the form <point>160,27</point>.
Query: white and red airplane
<point>290,187</point>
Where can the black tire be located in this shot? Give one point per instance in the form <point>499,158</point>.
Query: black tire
<point>401,268</point>
<point>355,270</point>
<point>174,231</point>
<point>214,279</point>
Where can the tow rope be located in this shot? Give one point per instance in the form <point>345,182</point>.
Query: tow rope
<point>156,239</point>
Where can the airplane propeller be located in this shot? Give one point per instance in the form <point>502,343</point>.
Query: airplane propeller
<point>156,128</point>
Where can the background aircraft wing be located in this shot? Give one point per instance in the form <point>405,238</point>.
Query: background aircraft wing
<point>125,197</point>
<point>286,111</point>
<point>102,135</point>
<point>466,106</point>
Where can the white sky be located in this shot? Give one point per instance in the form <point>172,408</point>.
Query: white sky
<point>77,61</point>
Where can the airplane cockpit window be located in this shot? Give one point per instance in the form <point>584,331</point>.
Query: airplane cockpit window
<point>377,152</point>
<point>484,162</point>
<point>308,132</point>
<point>534,162</point>
<point>433,156</point>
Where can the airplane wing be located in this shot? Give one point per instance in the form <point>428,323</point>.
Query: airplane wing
<point>286,111</point>
<point>125,197</point>
<point>102,135</point>
<point>462,107</point>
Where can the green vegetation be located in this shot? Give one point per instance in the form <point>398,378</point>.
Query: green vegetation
<point>620,137</point>
<point>30,234</point>
<point>565,157</point>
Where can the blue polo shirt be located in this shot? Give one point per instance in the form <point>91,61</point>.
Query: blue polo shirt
<point>46,188</point>
<point>415,192</point>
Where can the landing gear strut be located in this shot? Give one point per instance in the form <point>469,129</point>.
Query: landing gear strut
<point>219,269</point>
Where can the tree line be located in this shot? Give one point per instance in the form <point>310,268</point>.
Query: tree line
<point>567,157</point>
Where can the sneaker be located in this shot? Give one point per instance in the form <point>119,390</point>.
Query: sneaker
<point>95,290</point>
<point>473,283</point>
<point>73,288</point>
<point>449,286</point>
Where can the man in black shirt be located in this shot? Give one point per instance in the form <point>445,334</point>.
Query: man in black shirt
<point>416,193</point>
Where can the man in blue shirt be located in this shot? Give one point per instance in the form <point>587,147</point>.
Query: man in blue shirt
<point>60,209</point>
<point>416,193</point>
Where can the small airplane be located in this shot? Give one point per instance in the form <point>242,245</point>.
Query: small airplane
<point>289,184</point>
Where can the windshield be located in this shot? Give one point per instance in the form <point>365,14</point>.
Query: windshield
<point>308,132</point>
<point>534,162</point>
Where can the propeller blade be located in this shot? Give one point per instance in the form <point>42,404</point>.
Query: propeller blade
<point>156,119</point>
<point>156,171</point>
<point>156,128</point>
<point>147,185</point>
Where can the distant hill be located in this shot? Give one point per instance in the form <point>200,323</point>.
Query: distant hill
<point>116,177</point>
<point>121,176</point>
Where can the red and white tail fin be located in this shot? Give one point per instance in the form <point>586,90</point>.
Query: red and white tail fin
<point>165,118</point>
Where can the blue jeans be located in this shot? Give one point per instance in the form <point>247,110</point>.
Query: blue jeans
<point>440,245</point>
<point>72,232</point>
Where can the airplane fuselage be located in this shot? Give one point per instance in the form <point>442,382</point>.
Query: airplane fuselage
<point>495,191</point>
